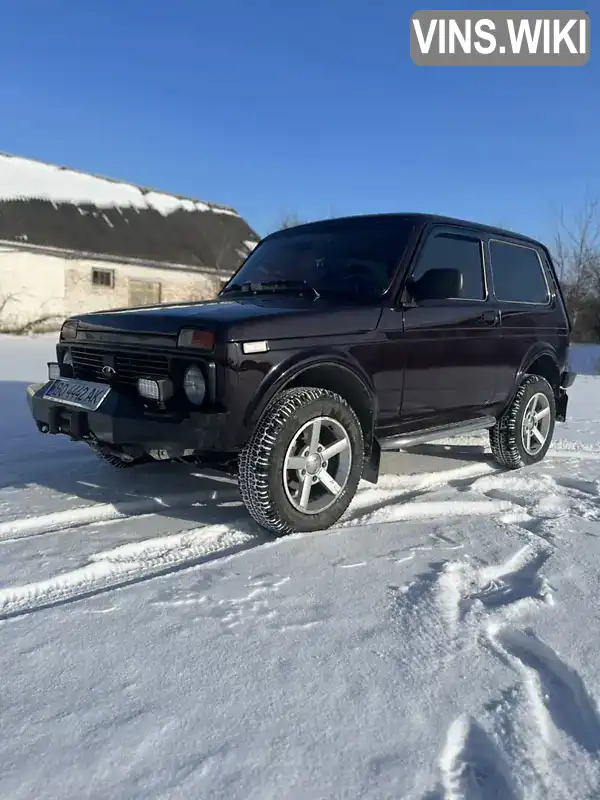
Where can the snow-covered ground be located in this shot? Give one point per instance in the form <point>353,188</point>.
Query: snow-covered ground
<point>442,642</point>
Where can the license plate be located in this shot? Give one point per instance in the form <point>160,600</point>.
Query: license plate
<point>81,394</point>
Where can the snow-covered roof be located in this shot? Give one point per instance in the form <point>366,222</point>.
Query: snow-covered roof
<point>22,178</point>
<point>50,206</point>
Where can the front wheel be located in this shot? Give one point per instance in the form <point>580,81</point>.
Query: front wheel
<point>524,432</point>
<point>301,467</point>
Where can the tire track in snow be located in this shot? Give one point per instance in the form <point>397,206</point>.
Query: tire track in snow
<point>577,453</point>
<point>134,562</point>
<point>387,493</point>
<point>155,557</point>
<point>56,521</point>
<point>130,563</point>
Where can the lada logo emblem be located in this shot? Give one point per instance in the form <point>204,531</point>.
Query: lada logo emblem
<point>108,371</point>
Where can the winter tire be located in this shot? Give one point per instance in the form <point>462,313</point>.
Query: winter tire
<point>302,465</point>
<point>524,432</point>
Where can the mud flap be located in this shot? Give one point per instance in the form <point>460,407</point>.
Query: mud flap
<point>561,405</point>
<point>371,466</point>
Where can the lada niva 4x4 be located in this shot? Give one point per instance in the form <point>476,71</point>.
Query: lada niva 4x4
<point>334,341</point>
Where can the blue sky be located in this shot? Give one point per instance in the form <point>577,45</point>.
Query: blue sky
<point>311,107</point>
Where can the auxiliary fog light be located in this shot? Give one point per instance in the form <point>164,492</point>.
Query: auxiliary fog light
<point>194,385</point>
<point>53,370</point>
<point>158,390</point>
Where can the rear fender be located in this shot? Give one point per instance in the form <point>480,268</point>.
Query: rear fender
<point>548,368</point>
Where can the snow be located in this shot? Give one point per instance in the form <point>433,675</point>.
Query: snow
<point>585,359</point>
<point>441,642</point>
<point>22,178</point>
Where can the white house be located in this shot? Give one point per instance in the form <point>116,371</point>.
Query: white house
<point>73,242</point>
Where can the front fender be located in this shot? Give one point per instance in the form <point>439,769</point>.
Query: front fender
<point>286,372</point>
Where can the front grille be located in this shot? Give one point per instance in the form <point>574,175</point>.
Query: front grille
<point>88,364</point>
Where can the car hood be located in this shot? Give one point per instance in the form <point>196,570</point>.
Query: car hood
<point>239,319</point>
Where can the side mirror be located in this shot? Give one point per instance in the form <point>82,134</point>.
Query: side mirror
<point>437,284</point>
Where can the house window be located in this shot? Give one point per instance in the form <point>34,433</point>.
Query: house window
<point>103,277</point>
<point>143,293</point>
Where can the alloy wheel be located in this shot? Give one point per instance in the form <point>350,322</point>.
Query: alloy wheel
<point>535,426</point>
<point>317,465</point>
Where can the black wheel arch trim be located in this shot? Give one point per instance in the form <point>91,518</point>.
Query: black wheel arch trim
<point>281,376</point>
<point>536,351</point>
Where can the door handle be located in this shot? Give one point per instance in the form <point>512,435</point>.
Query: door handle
<point>489,317</point>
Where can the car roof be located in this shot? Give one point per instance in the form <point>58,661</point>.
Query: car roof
<point>418,217</point>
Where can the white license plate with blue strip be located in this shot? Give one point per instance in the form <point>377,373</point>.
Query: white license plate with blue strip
<point>81,394</point>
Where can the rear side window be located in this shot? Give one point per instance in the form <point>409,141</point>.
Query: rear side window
<point>443,250</point>
<point>518,273</point>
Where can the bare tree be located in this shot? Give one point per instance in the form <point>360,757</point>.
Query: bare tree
<point>577,245</point>
<point>12,325</point>
<point>4,301</point>
<point>577,259</point>
<point>289,220</point>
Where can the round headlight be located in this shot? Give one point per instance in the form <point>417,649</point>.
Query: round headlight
<point>194,385</point>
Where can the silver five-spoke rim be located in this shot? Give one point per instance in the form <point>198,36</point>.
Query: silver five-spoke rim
<point>536,424</point>
<point>317,465</point>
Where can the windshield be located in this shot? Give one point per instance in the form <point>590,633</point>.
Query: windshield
<point>355,258</point>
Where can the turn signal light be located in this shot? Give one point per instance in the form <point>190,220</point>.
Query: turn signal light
<point>201,340</point>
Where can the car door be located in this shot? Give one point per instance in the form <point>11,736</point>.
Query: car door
<point>450,342</point>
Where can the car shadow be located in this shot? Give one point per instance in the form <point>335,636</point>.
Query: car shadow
<point>62,475</point>
<point>72,476</point>
<point>454,452</point>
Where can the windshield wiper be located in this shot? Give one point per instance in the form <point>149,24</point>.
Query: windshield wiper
<point>237,287</point>
<point>273,286</point>
<point>285,285</point>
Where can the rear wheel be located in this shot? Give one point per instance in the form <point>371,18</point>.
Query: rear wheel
<point>524,433</point>
<point>301,467</point>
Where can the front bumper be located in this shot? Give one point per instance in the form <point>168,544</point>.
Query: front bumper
<point>120,423</point>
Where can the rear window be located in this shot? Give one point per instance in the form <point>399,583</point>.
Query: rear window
<point>518,273</point>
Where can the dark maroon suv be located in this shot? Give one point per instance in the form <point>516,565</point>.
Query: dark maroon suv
<point>334,341</point>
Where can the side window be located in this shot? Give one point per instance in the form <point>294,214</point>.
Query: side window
<point>451,251</point>
<point>518,273</point>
